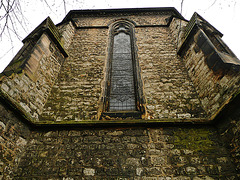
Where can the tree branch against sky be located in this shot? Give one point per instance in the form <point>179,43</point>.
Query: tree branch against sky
<point>19,17</point>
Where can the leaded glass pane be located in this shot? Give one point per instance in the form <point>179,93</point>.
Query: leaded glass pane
<point>121,43</point>
<point>122,93</point>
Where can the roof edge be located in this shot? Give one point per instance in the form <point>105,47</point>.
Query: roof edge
<point>70,14</point>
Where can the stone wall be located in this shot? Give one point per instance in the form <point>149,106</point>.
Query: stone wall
<point>168,90</point>
<point>229,129</point>
<point>144,19</point>
<point>28,89</point>
<point>126,153</point>
<point>213,68</point>
<point>177,30</point>
<point>76,93</point>
<point>14,136</point>
<point>67,32</point>
<point>75,96</point>
<point>171,149</point>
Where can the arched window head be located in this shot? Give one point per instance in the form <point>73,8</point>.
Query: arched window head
<point>121,27</point>
<point>122,89</point>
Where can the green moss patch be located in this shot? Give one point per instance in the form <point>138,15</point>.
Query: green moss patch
<point>198,140</point>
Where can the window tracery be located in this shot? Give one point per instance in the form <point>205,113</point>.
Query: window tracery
<point>123,94</point>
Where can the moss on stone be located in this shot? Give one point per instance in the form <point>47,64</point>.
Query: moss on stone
<point>197,140</point>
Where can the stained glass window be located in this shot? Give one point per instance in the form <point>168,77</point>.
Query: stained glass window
<point>122,92</point>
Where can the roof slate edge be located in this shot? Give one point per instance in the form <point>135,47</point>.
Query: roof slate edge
<point>71,13</point>
<point>210,25</point>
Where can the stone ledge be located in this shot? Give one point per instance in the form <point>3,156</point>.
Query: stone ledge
<point>126,122</point>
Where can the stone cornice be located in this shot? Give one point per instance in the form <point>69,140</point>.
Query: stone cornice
<point>127,11</point>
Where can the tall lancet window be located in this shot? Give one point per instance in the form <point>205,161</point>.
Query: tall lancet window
<point>122,92</point>
<point>122,95</point>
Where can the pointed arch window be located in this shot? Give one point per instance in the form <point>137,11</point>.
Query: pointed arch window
<point>123,93</point>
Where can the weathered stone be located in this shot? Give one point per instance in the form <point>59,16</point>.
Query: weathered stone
<point>115,133</point>
<point>14,138</point>
<point>175,89</point>
<point>89,171</point>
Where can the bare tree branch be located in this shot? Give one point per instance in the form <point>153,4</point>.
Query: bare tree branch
<point>65,8</point>
<point>211,5</point>
<point>8,9</point>
<point>180,24</point>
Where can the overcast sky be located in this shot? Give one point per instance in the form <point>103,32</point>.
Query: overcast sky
<point>222,14</point>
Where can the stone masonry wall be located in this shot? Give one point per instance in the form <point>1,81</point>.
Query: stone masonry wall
<point>67,31</point>
<point>77,91</point>
<point>168,89</point>
<point>29,89</point>
<point>172,153</point>
<point>214,89</point>
<point>157,151</point>
<point>14,136</point>
<point>139,19</point>
<point>177,29</point>
<point>229,129</point>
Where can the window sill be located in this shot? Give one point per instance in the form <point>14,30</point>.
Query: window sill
<point>122,115</point>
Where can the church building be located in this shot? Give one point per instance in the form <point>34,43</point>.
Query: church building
<point>139,94</point>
